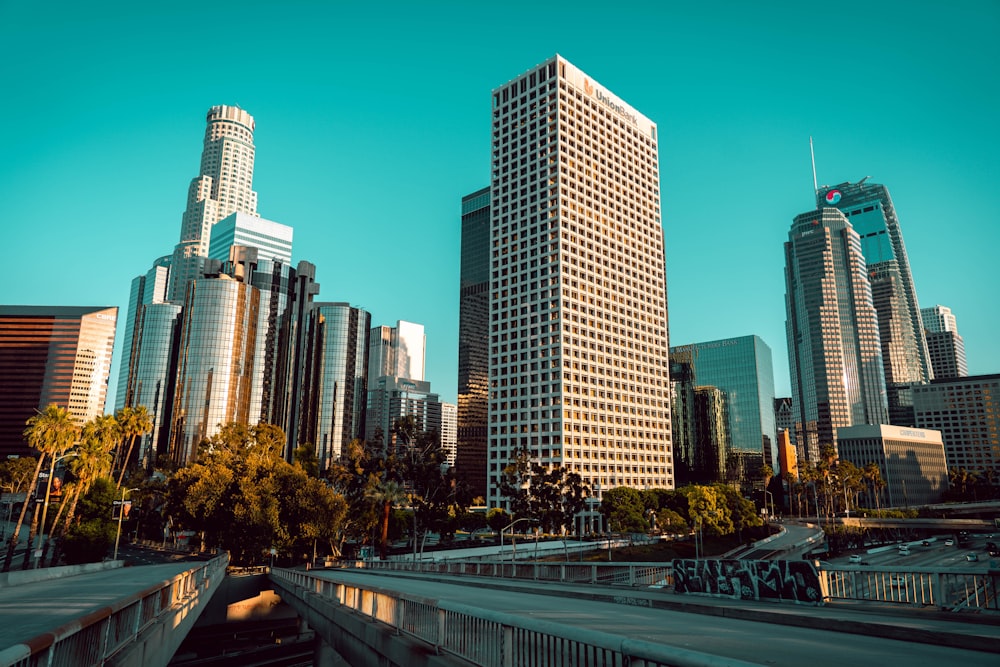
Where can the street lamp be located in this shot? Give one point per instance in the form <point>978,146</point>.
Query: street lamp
<point>121,513</point>
<point>510,525</point>
<point>771,496</point>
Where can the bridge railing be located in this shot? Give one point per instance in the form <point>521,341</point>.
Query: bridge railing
<point>626,574</point>
<point>957,590</point>
<point>954,590</point>
<point>488,638</point>
<point>94,638</point>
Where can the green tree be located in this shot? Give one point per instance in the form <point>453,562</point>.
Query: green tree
<point>92,461</point>
<point>16,474</point>
<point>552,495</point>
<point>385,495</point>
<point>354,475</point>
<point>89,539</point>
<point>132,423</point>
<point>305,457</point>
<point>623,509</point>
<point>497,518</point>
<point>51,432</point>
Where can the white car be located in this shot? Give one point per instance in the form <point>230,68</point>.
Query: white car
<point>949,542</point>
<point>904,551</point>
<point>855,558</point>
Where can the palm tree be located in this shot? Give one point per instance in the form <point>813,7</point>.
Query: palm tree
<point>386,495</point>
<point>133,422</point>
<point>93,461</point>
<point>51,432</point>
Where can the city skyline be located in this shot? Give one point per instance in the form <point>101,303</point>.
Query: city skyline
<point>105,117</point>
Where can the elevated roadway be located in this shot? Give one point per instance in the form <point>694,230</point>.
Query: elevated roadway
<point>120,616</point>
<point>702,631</point>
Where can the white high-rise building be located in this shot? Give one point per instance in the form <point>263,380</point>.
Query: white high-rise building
<point>224,186</point>
<point>273,240</point>
<point>579,352</point>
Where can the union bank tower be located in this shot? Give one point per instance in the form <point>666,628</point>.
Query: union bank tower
<point>578,345</point>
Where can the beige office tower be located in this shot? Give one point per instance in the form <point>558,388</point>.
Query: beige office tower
<point>224,186</point>
<point>579,354</point>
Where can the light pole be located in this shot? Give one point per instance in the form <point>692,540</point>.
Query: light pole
<point>45,507</point>
<point>121,513</point>
<point>510,525</point>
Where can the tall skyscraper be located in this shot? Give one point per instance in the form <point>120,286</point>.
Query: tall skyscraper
<point>52,354</point>
<point>741,369</point>
<point>474,342</point>
<point>834,352</point>
<point>905,360</point>
<point>224,186</point>
<point>944,344</point>
<point>217,350</point>
<point>149,353</point>
<point>335,386</point>
<point>396,351</point>
<point>578,314</point>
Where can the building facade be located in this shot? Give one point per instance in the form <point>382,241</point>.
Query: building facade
<point>215,364</point>
<point>578,313</point>
<point>391,398</point>
<point>224,186</point>
<point>449,431</point>
<point>474,342</point>
<point>911,461</point>
<point>966,411</point>
<point>272,240</point>
<point>335,386</point>
<point>944,344</point>
<point>741,368</point>
<point>52,354</point>
<point>397,351</point>
<point>905,360</point>
<point>834,350</point>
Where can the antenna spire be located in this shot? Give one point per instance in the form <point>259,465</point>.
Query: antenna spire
<point>812,154</point>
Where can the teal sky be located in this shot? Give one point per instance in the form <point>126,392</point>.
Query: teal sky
<point>373,121</point>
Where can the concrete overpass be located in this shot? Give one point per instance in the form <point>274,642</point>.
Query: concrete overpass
<point>103,614</point>
<point>423,619</point>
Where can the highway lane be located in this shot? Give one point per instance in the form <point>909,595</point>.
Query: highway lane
<point>764,642</point>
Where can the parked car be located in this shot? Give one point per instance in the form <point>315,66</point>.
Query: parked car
<point>855,558</point>
<point>971,557</point>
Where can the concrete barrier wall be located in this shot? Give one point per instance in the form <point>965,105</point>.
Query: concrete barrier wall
<point>44,574</point>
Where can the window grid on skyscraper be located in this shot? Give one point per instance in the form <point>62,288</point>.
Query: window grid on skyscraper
<point>578,333</point>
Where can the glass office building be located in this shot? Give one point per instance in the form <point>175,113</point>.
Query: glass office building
<point>473,342</point>
<point>335,380</point>
<point>834,351</point>
<point>215,366</point>
<point>741,369</point>
<point>905,359</point>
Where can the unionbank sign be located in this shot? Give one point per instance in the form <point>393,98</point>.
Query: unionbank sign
<point>603,98</point>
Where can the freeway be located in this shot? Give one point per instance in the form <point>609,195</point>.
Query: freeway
<point>631,613</point>
<point>935,554</point>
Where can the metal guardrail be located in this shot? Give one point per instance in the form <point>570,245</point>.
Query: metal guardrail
<point>626,574</point>
<point>950,590</point>
<point>489,638</point>
<point>95,637</point>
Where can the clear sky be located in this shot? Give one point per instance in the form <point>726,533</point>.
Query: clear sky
<point>373,120</point>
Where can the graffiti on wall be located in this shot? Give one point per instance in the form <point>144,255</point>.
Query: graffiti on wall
<point>791,580</point>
